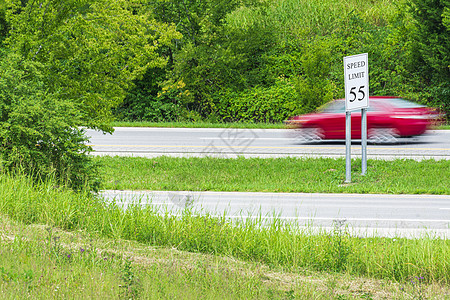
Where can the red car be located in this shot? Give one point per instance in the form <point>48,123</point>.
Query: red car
<point>388,118</point>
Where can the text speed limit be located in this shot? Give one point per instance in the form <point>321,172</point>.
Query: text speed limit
<point>356,69</point>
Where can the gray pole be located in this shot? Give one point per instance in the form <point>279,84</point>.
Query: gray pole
<point>348,145</point>
<point>364,141</point>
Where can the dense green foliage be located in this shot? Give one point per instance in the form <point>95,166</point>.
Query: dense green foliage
<point>91,50</point>
<point>40,133</point>
<point>3,24</point>
<point>214,60</point>
<point>431,50</point>
<point>262,61</point>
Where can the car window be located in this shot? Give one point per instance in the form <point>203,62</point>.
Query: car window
<point>402,103</point>
<point>333,107</point>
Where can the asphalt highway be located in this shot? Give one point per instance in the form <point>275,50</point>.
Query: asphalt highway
<point>151,142</point>
<point>362,215</point>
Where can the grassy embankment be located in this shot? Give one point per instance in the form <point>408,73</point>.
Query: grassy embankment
<point>283,261</point>
<point>41,262</point>
<point>325,175</point>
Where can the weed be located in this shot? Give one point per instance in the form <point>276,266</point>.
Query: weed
<point>415,288</point>
<point>55,248</point>
<point>131,287</point>
<point>29,270</point>
<point>340,246</point>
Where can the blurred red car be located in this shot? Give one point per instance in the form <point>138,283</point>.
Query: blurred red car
<point>388,118</point>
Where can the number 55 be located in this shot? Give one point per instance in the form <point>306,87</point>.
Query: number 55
<point>360,91</point>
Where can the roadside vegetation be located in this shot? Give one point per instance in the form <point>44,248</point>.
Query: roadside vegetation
<point>416,265</point>
<point>226,60</point>
<point>41,262</point>
<point>66,66</point>
<point>264,61</point>
<point>70,65</point>
<point>303,175</point>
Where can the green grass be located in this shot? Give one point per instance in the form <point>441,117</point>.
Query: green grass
<point>198,125</point>
<point>277,245</point>
<point>42,262</point>
<point>209,125</point>
<point>307,175</point>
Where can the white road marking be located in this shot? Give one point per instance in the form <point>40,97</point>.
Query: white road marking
<point>250,139</point>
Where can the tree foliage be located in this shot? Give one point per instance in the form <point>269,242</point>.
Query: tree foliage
<point>90,50</point>
<point>230,49</point>
<point>430,50</point>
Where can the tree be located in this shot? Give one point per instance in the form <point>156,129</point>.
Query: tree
<point>211,56</point>
<point>90,50</point>
<point>430,50</point>
<point>40,134</point>
<point>66,64</point>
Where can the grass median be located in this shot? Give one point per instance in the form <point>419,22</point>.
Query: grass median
<point>212,125</point>
<point>305,175</point>
<point>239,125</point>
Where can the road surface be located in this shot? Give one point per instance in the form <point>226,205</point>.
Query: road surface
<point>151,142</point>
<point>362,215</point>
<point>381,215</point>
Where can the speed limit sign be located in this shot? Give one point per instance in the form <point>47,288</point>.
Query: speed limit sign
<point>356,72</point>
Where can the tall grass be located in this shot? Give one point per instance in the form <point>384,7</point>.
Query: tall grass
<point>41,262</point>
<point>280,245</point>
<point>38,262</point>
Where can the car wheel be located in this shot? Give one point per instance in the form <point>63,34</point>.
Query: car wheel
<point>382,136</point>
<point>307,135</point>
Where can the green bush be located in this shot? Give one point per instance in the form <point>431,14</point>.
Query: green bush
<point>39,133</point>
<point>259,104</point>
<point>145,102</point>
<point>231,58</point>
<point>314,87</point>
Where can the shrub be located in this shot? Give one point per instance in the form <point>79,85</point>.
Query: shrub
<point>39,133</point>
<point>146,102</point>
<point>259,104</point>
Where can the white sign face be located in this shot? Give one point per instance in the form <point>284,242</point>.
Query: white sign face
<point>356,70</point>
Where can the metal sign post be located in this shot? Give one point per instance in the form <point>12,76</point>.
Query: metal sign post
<point>356,74</point>
<point>363,141</point>
<point>348,146</point>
